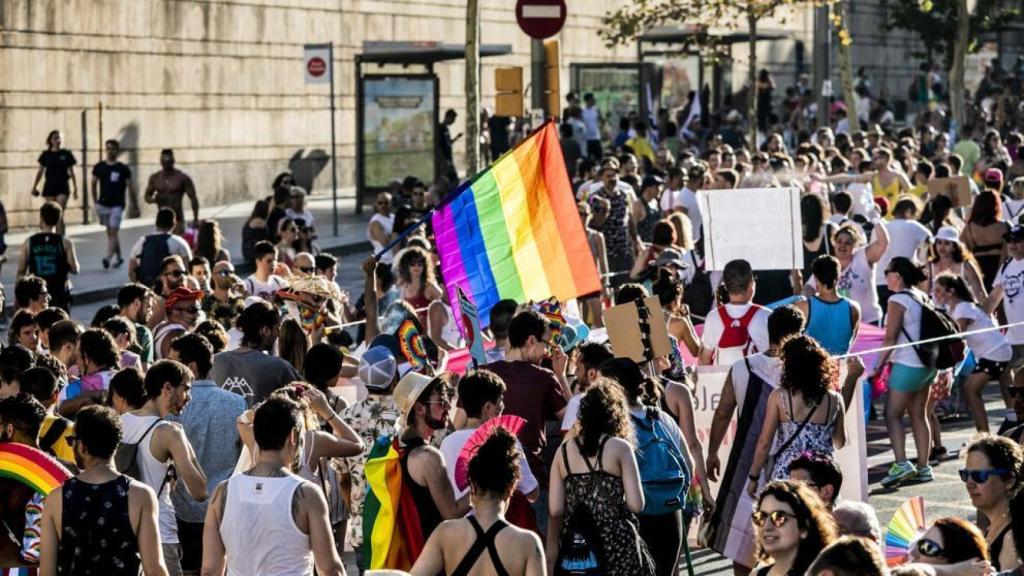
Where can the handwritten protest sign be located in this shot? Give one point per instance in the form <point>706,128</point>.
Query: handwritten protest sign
<point>759,225</point>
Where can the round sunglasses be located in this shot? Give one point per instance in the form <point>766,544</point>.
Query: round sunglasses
<point>777,517</point>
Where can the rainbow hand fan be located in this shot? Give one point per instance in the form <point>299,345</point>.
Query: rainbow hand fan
<point>906,526</point>
<point>32,467</point>
<point>507,421</point>
<point>551,310</point>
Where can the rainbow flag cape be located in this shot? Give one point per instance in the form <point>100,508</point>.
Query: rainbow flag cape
<point>32,467</point>
<point>514,231</point>
<point>392,536</point>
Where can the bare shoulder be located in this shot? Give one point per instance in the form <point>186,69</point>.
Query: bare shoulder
<point>139,493</point>
<point>617,446</point>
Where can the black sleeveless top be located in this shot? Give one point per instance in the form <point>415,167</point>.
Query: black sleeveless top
<point>48,260</point>
<point>430,516</point>
<point>996,548</point>
<point>483,540</point>
<point>86,550</point>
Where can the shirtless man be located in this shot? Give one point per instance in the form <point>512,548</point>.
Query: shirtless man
<point>168,187</point>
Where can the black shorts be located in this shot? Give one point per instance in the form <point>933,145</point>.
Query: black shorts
<point>190,537</point>
<point>991,367</point>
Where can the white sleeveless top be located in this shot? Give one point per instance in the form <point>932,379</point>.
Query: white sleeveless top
<point>153,471</point>
<point>388,224</point>
<point>450,331</point>
<point>259,533</point>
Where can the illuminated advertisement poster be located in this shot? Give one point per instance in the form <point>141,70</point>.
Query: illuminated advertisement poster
<point>398,129</point>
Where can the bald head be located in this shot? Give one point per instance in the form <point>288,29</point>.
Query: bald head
<point>304,264</point>
<point>224,275</point>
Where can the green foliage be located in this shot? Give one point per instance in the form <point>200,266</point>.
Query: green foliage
<point>934,21</point>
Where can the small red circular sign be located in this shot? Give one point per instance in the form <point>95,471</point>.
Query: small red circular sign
<point>316,67</point>
<point>540,18</point>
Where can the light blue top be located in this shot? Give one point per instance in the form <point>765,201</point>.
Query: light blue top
<point>830,323</point>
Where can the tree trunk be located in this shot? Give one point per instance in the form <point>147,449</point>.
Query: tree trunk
<point>752,77</point>
<point>472,87</point>
<point>846,68</point>
<point>956,72</point>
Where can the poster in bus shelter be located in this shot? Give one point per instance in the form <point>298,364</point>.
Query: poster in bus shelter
<point>398,128</point>
<point>615,90</point>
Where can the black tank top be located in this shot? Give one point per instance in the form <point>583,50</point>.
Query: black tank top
<point>996,548</point>
<point>85,550</point>
<point>484,540</point>
<point>48,260</point>
<point>430,516</point>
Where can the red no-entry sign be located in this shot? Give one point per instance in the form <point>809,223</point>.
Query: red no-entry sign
<point>540,18</point>
<point>316,67</point>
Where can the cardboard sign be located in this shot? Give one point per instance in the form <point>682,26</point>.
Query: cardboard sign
<point>957,188</point>
<point>759,225</point>
<point>638,332</point>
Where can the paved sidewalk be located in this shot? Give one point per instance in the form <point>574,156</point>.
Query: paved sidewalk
<point>94,283</point>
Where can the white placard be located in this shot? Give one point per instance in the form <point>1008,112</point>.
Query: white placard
<point>759,225</point>
<point>316,63</point>
<point>852,458</point>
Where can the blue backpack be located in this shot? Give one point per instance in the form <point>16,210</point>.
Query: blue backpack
<point>663,472</point>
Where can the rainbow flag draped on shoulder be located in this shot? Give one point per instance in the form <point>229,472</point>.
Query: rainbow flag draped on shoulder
<point>514,231</point>
<point>392,536</point>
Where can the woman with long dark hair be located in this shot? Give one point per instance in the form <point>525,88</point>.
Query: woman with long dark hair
<point>948,254</point>
<point>793,526</point>
<point>992,351</point>
<point>909,379</point>
<point>948,541</point>
<point>992,477</point>
<point>816,230</point>
<point>803,415</point>
<point>983,235</point>
<point>416,282</point>
<point>255,229</point>
<point>595,487</point>
<point>209,243</point>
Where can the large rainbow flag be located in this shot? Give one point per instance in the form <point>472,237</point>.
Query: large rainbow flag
<point>514,231</point>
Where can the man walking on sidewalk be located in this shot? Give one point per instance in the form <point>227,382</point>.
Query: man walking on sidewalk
<point>113,178</point>
<point>51,256</point>
<point>168,188</point>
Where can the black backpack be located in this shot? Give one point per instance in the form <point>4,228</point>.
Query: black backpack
<point>154,250</point>
<point>936,323</point>
<point>580,552</point>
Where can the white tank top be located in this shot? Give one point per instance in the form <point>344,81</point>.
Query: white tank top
<point>450,331</point>
<point>388,224</point>
<point>259,533</point>
<point>153,471</point>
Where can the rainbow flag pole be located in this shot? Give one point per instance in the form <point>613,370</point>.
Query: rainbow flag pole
<point>513,231</point>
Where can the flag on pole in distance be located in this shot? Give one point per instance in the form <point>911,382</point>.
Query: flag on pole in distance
<point>513,231</point>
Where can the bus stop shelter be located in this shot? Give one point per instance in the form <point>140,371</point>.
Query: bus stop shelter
<point>398,111</point>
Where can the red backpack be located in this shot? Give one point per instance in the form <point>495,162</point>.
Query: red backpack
<point>736,331</point>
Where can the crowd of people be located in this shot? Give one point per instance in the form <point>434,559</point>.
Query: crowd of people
<point>273,425</point>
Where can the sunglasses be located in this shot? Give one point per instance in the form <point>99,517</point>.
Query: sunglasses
<point>981,476</point>
<point>175,273</point>
<point>189,309</point>
<point>307,269</point>
<point>777,517</point>
<point>225,273</point>
<point>930,548</point>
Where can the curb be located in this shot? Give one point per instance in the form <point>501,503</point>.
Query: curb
<point>243,268</point>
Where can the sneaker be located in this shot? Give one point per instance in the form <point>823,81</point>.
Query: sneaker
<point>898,473</point>
<point>117,261</point>
<point>938,454</point>
<point>924,474</point>
<point>106,263</point>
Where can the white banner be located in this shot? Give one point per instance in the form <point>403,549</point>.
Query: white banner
<point>759,225</point>
<point>316,63</point>
<point>852,459</point>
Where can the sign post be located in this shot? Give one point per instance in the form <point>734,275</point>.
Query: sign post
<point>318,60</point>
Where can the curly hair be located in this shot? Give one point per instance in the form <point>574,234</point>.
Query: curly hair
<point>410,256</point>
<point>668,287</point>
<point>603,411</point>
<point>806,368</point>
<point>961,540</point>
<point>811,517</point>
<point>1001,453</point>
<point>494,469</point>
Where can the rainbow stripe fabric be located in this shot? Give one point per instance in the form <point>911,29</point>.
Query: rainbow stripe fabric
<point>31,467</point>
<point>514,231</point>
<point>392,535</point>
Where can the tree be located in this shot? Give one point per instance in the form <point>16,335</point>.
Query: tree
<point>950,29</point>
<point>472,86</point>
<point>635,16</point>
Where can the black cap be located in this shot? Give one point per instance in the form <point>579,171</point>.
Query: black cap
<point>1015,233</point>
<point>652,180</point>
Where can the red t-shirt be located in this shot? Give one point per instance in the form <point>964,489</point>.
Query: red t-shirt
<point>532,393</point>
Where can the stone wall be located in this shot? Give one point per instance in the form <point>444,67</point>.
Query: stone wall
<point>220,81</point>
